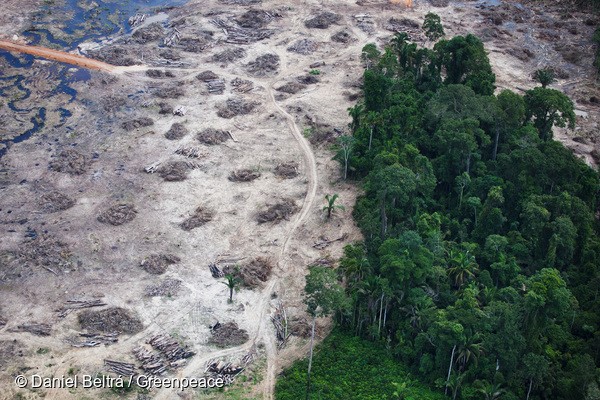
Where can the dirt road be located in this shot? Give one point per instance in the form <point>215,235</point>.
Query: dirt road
<point>57,55</point>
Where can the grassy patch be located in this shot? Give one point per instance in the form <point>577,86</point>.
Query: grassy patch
<point>347,367</point>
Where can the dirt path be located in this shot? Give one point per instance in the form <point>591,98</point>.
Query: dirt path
<point>57,55</point>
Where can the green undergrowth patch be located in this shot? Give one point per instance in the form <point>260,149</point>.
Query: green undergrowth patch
<point>348,367</point>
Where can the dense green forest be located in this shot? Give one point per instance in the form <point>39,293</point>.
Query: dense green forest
<point>480,267</point>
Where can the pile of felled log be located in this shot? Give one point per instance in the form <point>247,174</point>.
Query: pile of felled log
<point>33,328</point>
<point>169,354</point>
<point>79,304</point>
<point>239,35</point>
<point>189,152</point>
<point>324,242</point>
<point>172,38</point>
<point>95,339</point>
<point>215,271</point>
<point>120,368</point>
<point>170,348</point>
<point>242,85</point>
<point>152,363</point>
<point>280,322</point>
<point>136,19</point>
<point>216,86</point>
<point>224,370</point>
<point>364,22</point>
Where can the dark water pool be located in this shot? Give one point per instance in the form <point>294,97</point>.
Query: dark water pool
<point>65,25</point>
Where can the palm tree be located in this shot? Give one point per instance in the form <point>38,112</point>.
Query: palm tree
<point>232,284</point>
<point>470,350</point>
<point>462,267</point>
<point>331,206</point>
<point>544,76</point>
<point>490,391</point>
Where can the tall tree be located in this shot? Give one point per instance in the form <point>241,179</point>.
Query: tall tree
<point>432,25</point>
<point>548,108</point>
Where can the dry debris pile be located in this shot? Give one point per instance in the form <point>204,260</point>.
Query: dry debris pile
<point>228,334</point>
<point>165,108</point>
<point>189,152</point>
<point>70,162</point>
<point>236,106</point>
<point>200,217</point>
<point>142,122</point>
<point>114,319</point>
<point>291,87</point>
<point>240,35</point>
<point>118,214</point>
<point>171,92</point>
<point>243,175</point>
<point>322,20</point>
<point>308,79</point>
<point>277,212</point>
<point>46,252</point>
<point>34,329</point>
<point>174,171</point>
<point>264,65</point>
<point>159,74</point>
<point>253,274</point>
<point>115,55</point>
<point>157,263</point>
<point>242,85</point>
<point>177,131</point>
<point>206,76</point>
<point>404,25</point>
<point>254,19</point>
<point>287,170</point>
<point>213,136</point>
<point>342,37</point>
<point>55,201</point>
<point>148,33</point>
<point>303,46</point>
<point>229,55</point>
<point>192,44</point>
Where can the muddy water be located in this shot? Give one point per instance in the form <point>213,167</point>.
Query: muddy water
<point>63,25</point>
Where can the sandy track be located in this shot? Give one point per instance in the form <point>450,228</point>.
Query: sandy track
<point>57,55</point>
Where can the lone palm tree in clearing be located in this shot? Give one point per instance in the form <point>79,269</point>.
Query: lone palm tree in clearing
<point>232,283</point>
<point>331,206</point>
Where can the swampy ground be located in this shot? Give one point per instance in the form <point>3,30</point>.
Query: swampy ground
<point>106,195</point>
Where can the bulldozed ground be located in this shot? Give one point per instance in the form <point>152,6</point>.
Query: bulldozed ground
<point>211,155</point>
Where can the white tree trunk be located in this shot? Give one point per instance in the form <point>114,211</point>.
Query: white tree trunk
<point>450,369</point>
<point>310,357</point>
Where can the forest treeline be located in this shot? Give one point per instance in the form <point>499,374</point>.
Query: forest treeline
<point>481,257</point>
